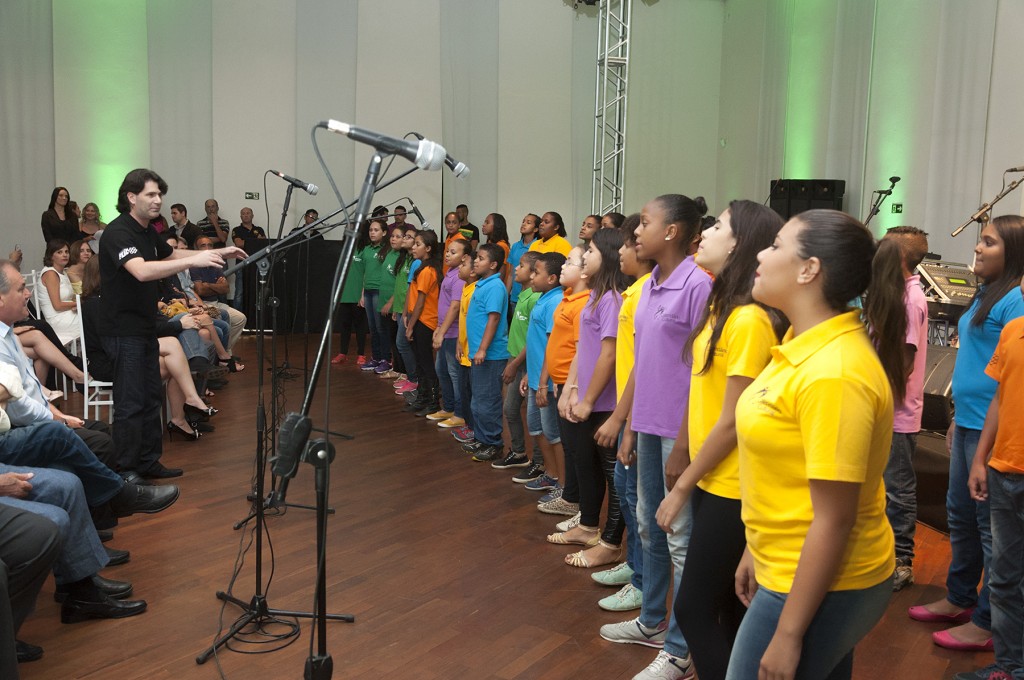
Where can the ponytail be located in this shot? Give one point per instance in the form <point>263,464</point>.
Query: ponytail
<point>886,314</point>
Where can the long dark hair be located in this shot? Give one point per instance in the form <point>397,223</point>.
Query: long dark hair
<point>433,258</point>
<point>403,254</point>
<point>617,219</point>
<point>53,199</point>
<point>91,277</point>
<point>385,239</point>
<point>686,212</point>
<point>754,227</point>
<point>499,229</point>
<point>851,265</point>
<point>1011,230</point>
<point>609,277</point>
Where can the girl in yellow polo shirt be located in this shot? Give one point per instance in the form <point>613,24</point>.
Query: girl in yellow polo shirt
<point>814,430</point>
<point>728,349</point>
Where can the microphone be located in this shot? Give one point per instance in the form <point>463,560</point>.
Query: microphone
<point>458,168</point>
<point>419,215</point>
<point>1019,168</point>
<point>310,189</point>
<point>426,155</point>
<point>894,179</point>
<point>291,441</point>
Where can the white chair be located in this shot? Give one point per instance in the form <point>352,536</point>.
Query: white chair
<point>32,283</point>
<point>97,392</point>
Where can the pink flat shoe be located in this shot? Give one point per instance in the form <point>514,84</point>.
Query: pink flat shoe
<point>922,613</point>
<point>943,639</point>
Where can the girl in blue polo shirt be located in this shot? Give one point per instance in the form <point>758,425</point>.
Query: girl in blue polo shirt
<point>999,266</point>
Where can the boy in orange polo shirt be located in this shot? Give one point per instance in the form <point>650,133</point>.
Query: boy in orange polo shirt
<point>560,351</point>
<point>997,475</point>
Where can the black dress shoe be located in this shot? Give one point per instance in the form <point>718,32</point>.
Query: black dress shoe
<point>73,611</point>
<point>27,652</point>
<point>200,426</point>
<point>134,478</point>
<point>117,590</point>
<point>158,471</point>
<point>135,498</point>
<point>105,534</point>
<point>117,557</point>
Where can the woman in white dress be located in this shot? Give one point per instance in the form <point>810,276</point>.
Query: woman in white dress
<point>57,299</point>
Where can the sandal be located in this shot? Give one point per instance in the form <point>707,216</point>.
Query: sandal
<point>562,538</point>
<point>579,559</point>
<point>232,364</point>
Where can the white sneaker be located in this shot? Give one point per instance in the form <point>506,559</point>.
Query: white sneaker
<point>573,521</point>
<point>667,667</point>
<point>626,599</point>
<point>619,575</point>
<point>633,632</point>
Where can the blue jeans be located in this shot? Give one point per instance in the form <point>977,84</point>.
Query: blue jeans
<point>55,445</point>
<point>58,496</point>
<point>405,349</point>
<point>625,483</point>
<point>485,381</point>
<point>138,400</point>
<point>543,420</point>
<point>379,345</point>
<point>842,620</point>
<point>901,493</point>
<point>664,554</point>
<point>970,534</point>
<point>1006,575</point>
<point>448,374</point>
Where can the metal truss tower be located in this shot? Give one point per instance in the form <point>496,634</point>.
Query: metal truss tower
<point>610,113</point>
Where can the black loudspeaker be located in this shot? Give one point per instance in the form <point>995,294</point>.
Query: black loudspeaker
<point>938,388</point>
<point>793,196</point>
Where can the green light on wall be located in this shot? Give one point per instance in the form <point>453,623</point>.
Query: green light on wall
<point>101,96</point>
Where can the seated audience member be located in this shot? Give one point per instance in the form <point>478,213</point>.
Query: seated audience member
<point>45,355</point>
<point>182,396</point>
<point>29,545</point>
<point>57,300</point>
<point>33,407</point>
<point>79,255</point>
<point>59,496</point>
<point>210,284</point>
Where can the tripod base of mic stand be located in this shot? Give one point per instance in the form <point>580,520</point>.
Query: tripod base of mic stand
<point>257,611</point>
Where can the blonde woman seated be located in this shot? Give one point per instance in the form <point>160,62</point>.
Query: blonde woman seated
<point>186,405</point>
<point>57,300</point>
<point>80,254</point>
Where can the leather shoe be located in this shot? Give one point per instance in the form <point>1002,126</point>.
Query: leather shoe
<point>135,498</point>
<point>158,471</point>
<point>73,611</point>
<point>27,652</point>
<point>133,477</point>
<point>117,590</point>
<point>105,534</point>
<point>117,557</point>
<point>202,426</point>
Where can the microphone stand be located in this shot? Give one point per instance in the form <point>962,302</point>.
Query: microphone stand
<point>320,666</point>
<point>257,612</point>
<point>981,216</point>
<point>880,197</point>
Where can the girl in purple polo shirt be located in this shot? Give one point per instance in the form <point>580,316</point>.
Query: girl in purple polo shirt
<point>589,399</point>
<point>671,305</point>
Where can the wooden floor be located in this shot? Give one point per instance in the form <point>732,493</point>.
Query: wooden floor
<point>441,560</point>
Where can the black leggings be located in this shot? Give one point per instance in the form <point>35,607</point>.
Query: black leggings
<point>706,606</point>
<point>391,331</point>
<point>571,483</point>
<point>595,470</point>
<point>351,317</point>
<point>423,350</point>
